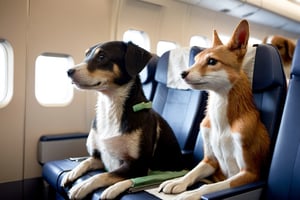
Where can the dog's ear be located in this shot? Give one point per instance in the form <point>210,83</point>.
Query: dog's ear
<point>290,47</point>
<point>135,59</point>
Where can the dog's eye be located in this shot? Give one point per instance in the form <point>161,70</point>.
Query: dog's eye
<point>212,61</point>
<point>100,57</point>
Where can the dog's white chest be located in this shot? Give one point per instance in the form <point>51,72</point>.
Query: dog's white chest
<point>109,115</point>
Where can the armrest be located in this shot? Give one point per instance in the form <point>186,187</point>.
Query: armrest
<point>61,146</point>
<point>249,191</point>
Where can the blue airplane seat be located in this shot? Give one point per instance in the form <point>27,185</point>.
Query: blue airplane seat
<point>183,109</point>
<point>147,77</point>
<point>284,175</point>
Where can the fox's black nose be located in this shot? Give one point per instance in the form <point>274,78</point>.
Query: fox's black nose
<point>184,74</point>
<point>71,72</point>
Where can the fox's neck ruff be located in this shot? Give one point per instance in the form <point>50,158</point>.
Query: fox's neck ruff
<point>226,106</point>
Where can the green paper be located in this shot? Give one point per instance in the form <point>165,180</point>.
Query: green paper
<point>154,179</point>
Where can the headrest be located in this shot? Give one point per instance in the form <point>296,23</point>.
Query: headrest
<point>296,60</point>
<point>162,68</point>
<point>193,52</point>
<point>268,71</point>
<point>264,58</point>
<point>178,62</point>
<point>147,74</point>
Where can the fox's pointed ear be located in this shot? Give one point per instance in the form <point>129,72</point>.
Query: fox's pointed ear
<point>136,59</point>
<point>239,39</point>
<point>216,39</point>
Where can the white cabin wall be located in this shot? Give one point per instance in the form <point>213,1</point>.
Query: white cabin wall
<point>13,16</point>
<point>173,22</point>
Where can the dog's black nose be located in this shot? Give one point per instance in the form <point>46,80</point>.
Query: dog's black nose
<point>71,72</point>
<point>184,74</point>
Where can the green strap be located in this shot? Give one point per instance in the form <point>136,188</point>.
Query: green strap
<point>142,106</point>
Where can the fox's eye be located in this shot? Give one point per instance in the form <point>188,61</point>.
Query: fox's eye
<point>212,61</point>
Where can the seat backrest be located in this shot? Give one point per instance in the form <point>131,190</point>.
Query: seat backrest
<point>269,92</point>
<point>269,88</point>
<point>147,77</point>
<point>182,108</point>
<point>284,175</point>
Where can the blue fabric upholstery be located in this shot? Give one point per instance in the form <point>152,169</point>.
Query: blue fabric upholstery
<point>183,109</point>
<point>147,77</point>
<point>269,87</point>
<point>295,71</point>
<point>284,176</point>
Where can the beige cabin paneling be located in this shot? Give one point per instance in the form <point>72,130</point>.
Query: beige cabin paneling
<point>13,16</point>
<point>68,27</point>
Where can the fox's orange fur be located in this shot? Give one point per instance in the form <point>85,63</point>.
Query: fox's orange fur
<point>236,143</point>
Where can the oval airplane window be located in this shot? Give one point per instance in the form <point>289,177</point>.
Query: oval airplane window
<point>139,38</point>
<point>163,46</point>
<point>52,85</point>
<point>200,41</point>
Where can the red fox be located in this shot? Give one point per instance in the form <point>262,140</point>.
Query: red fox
<point>236,143</point>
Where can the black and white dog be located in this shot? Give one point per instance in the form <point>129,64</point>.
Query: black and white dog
<point>126,142</point>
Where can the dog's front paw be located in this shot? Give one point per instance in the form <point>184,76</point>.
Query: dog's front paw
<point>173,186</point>
<point>80,190</point>
<point>68,178</point>
<point>189,195</point>
<point>115,190</point>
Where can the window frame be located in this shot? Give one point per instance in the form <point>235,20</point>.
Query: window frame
<point>8,71</point>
